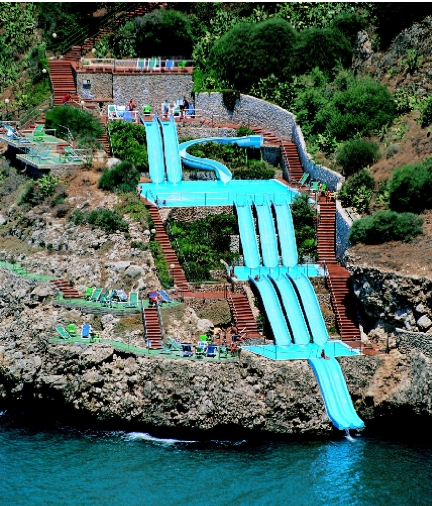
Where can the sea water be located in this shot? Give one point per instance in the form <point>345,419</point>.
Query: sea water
<point>64,466</point>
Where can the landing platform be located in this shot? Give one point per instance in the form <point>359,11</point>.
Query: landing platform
<point>310,270</point>
<point>334,348</point>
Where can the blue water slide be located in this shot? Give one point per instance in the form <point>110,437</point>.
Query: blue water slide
<point>335,393</point>
<point>311,308</point>
<point>286,234</point>
<point>155,151</point>
<point>293,309</point>
<point>273,310</point>
<point>222,172</point>
<point>247,233</point>
<point>267,234</point>
<point>171,147</point>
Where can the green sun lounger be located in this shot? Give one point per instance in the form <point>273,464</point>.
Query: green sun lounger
<point>38,133</point>
<point>64,334</point>
<point>71,328</point>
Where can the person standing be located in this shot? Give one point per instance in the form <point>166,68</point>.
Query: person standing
<point>131,105</point>
<point>185,107</point>
<point>66,98</point>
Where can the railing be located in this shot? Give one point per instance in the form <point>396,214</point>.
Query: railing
<point>32,115</point>
<point>293,351</point>
<point>160,321</point>
<point>139,64</point>
<point>213,198</point>
<point>68,133</point>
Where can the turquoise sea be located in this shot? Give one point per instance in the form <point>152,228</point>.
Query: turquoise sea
<point>63,466</point>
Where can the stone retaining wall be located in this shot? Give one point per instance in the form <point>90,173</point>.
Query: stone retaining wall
<point>408,341</point>
<point>191,214</point>
<point>248,111</point>
<point>318,173</point>
<point>343,227</point>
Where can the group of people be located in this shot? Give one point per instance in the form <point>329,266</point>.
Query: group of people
<point>184,108</point>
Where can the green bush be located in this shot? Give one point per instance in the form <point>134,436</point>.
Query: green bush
<point>357,191</point>
<point>244,131</point>
<point>249,51</point>
<point>304,226</point>
<point>142,246</point>
<point>164,32</point>
<point>254,170</point>
<point>109,221</point>
<point>37,191</point>
<point>426,112</point>
<point>384,226</point>
<point>122,178</point>
<point>161,265</point>
<point>128,143</point>
<point>410,188</point>
<point>355,155</point>
<point>324,48</point>
<point>80,123</point>
<point>132,205</point>
<point>349,23</point>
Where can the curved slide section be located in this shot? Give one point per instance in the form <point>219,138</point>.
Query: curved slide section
<point>335,393</point>
<point>293,309</point>
<point>286,234</point>
<point>267,234</point>
<point>172,157</point>
<point>155,151</point>
<point>273,310</point>
<point>247,233</point>
<point>222,172</point>
<point>311,309</point>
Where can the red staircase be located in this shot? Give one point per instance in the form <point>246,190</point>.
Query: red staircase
<point>152,328</point>
<point>66,288</point>
<point>62,80</point>
<point>269,137</point>
<point>168,252</point>
<point>242,314</point>
<point>326,233</point>
<point>291,157</point>
<point>104,139</point>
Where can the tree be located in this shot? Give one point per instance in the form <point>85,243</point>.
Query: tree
<point>249,52</point>
<point>164,32</point>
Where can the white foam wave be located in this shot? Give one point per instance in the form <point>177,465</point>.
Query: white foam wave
<point>144,436</point>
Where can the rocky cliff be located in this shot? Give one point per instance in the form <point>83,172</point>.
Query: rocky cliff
<point>253,394</point>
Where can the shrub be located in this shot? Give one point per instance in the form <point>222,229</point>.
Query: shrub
<point>356,155</point>
<point>349,23</point>
<point>410,188</point>
<point>426,112</point>
<point>244,131</point>
<point>248,52</point>
<point>129,143</point>
<point>357,191</point>
<point>324,48</point>
<point>254,170</point>
<point>142,246</point>
<point>37,191</point>
<point>109,221</point>
<point>122,178</point>
<point>161,265</point>
<point>164,32</point>
<point>384,226</point>
<point>133,206</point>
<point>80,123</point>
<point>303,219</point>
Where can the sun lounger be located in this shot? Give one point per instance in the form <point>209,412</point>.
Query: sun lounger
<point>107,302</point>
<point>15,135</point>
<point>303,180</point>
<point>187,349</point>
<point>211,350</point>
<point>165,296</point>
<point>86,94</point>
<point>133,300</point>
<point>315,186</point>
<point>64,334</point>
<point>71,328</point>
<point>95,295</point>
<point>112,112</point>
<point>174,344</point>
<point>141,64</point>
<point>169,65</point>
<point>121,110</point>
<point>200,350</point>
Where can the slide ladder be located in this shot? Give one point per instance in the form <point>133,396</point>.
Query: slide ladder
<point>273,310</point>
<point>155,151</point>
<point>247,233</point>
<point>171,147</point>
<point>335,393</point>
<point>293,309</point>
<point>286,234</point>
<point>267,234</point>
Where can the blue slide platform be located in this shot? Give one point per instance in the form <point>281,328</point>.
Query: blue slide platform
<point>247,233</point>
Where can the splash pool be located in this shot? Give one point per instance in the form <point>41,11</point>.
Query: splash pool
<point>215,193</point>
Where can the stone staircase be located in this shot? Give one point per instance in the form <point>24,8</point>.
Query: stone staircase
<point>153,331</point>
<point>104,139</point>
<point>242,314</point>
<point>66,288</point>
<point>167,250</point>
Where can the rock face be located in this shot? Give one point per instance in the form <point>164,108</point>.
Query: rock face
<point>250,394</point>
